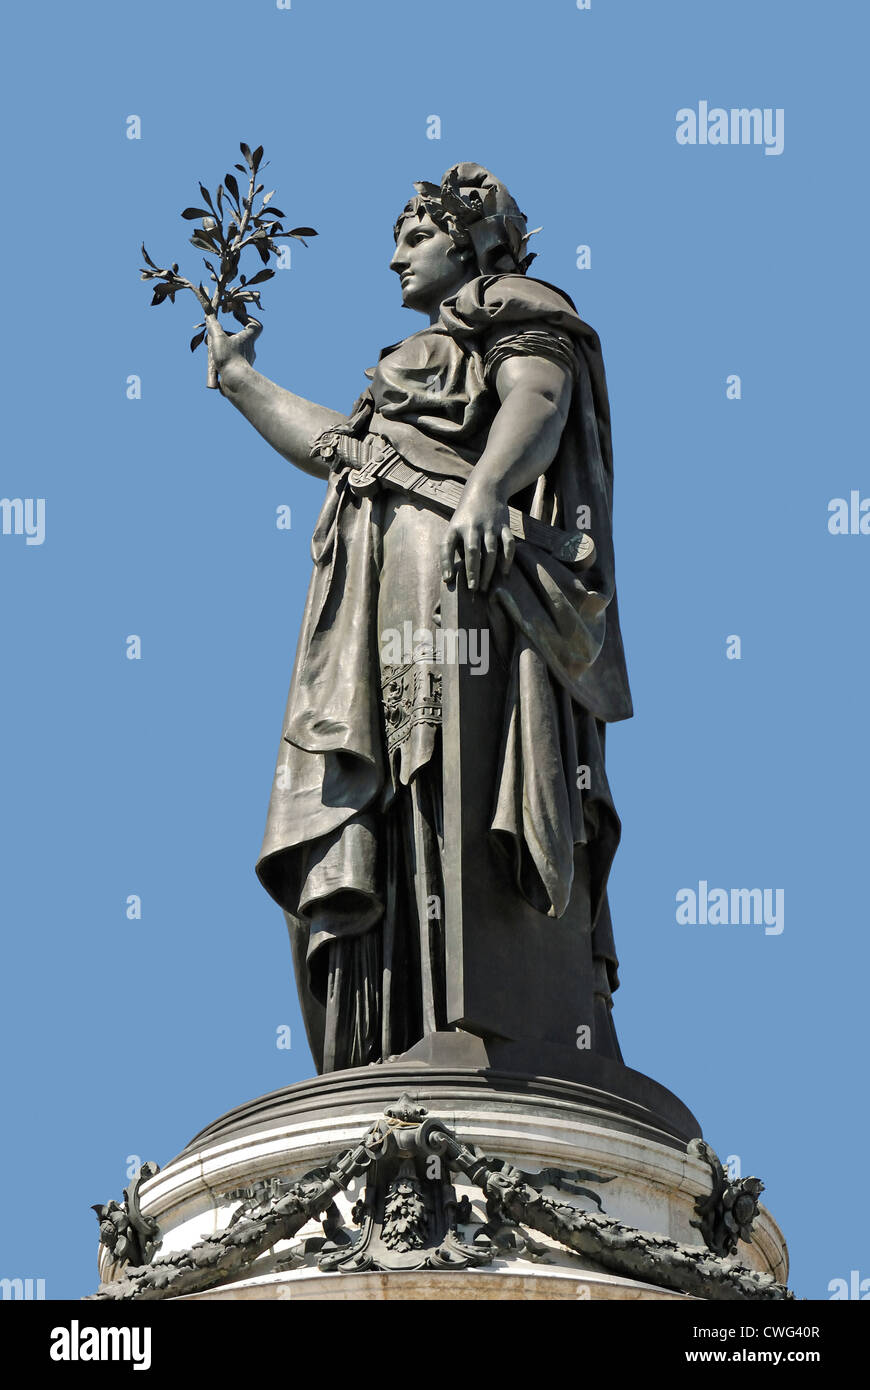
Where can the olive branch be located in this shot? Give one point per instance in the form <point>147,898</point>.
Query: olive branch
<point>245,226</point>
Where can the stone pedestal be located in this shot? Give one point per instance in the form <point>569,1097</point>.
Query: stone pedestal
<point>617,1139</point>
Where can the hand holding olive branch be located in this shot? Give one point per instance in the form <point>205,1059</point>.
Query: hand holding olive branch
<point>245,227</point>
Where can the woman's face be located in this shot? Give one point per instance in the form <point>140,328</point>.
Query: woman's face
<point>428,264</point>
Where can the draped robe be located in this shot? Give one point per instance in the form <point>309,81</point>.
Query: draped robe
<point>357,797</point>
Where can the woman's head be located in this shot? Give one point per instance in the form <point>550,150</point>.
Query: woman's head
<point>447,235</point>
<point>428,262</point>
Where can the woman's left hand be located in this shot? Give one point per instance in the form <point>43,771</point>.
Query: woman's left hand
<point>479,535</point>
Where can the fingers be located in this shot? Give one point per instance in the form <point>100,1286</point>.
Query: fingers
<point>477,551</point>
<point>471,547</point>
<point>448,553</point>
<point>508,547</point>
<point>249,334</point>
<point>490,557</point>
<point>224,347</point>
<point>247,337</point>
<point>251,331</point>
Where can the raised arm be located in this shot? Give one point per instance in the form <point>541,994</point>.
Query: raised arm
<point>289,423</point>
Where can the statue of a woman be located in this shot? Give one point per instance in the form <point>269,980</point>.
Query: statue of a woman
<point>500,398</point>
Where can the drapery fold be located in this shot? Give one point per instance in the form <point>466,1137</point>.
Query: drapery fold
<point>322,858</point>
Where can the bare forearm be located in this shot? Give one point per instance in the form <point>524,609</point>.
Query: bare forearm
<point>524,437</point>
<point>289,423</point>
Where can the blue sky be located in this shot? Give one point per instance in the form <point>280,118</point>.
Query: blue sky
<point>152,777</point>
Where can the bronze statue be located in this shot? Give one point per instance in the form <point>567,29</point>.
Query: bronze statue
<point>440,828</point>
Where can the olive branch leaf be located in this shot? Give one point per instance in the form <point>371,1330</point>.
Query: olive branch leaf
<point>229,222</point>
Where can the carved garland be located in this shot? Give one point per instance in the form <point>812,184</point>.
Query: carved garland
<point>409,1218</point>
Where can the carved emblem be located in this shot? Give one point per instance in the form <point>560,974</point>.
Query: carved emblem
<point>409,1217</point>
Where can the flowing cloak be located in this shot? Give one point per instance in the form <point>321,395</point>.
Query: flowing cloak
<point>432,397</point>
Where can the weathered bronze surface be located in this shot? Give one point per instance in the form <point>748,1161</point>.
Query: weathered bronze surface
<point>441,828</point>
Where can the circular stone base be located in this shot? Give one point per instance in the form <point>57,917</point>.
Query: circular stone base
<point>633,1158</point>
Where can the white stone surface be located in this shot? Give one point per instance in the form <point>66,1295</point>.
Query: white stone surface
<point>435,1286</point>
<point>654,1188</point>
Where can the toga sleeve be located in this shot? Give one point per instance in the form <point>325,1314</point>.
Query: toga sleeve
<point>511,315</point>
